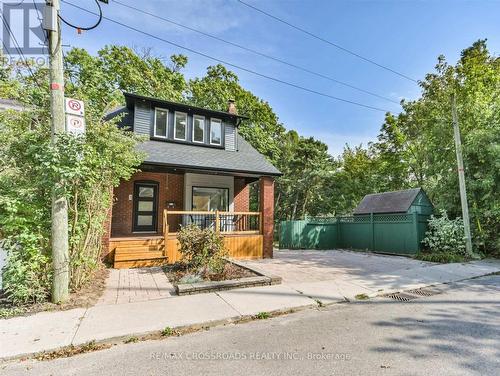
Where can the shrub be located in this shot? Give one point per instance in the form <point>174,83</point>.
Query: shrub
<point>201,249</point>
<point>83,169</point>
<point>445,236</point>
<point>27,279</point>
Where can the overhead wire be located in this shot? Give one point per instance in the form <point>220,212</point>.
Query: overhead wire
<point>344,49</point>
<point>236,66</point>
<point>281,61</point>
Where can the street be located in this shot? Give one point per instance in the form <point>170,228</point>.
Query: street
<point>456,332</point>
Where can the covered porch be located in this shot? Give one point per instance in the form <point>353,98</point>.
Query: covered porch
<point>150,208</point>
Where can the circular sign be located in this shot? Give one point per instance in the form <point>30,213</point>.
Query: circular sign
<point>74,105</point>
<point>76,123</point>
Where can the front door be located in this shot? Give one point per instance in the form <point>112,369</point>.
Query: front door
<point>145,206</point>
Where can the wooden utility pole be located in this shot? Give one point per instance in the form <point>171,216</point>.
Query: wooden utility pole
<point>461,177</point>
<point>60,254</point>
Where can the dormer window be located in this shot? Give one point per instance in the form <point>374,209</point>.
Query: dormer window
<point>161,122</point>
<point>198,129</point>
<point>215,131</point>
<point>180,126</point>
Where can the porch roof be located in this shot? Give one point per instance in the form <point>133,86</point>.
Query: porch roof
<point>245,160</point>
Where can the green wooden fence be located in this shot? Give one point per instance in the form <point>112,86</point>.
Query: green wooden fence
<point>387,233</point>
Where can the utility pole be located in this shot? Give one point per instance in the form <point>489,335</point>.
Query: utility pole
<point>60,254</point>
<point>461,177</point>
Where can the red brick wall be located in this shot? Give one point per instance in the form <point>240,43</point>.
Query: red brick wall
<point>170,189</point>
<point>241,195</point>
<point>266,200</point>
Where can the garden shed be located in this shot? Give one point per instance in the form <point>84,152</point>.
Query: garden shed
<point>387,222</point>
<point>407,201</point>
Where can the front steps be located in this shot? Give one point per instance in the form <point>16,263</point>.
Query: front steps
<point>138,252</point>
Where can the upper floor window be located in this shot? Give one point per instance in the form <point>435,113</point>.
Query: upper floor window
<point>198,128</point>
<point>215,131</point>
<point>180,125</point>
<point>161,122</point>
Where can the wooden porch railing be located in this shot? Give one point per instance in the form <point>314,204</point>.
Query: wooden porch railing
<point>244,223</point>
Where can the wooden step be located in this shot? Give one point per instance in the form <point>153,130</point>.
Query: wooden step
<point>138,256</point>
<point>135,242</point>
<point>142,248</point>
<point>140,263</point>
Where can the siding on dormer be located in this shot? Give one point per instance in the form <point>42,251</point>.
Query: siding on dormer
<point>143,118</point>
<point>229,137</point>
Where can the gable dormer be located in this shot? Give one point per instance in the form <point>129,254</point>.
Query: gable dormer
<point>180,123</point>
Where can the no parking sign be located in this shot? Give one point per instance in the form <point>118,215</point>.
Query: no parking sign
<point>75,111</point>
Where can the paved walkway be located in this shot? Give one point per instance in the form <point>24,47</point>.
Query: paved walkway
<point>138,302</point>
<point>136,285</point>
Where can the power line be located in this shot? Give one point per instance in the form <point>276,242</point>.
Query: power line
<point>301,68</point>
<point>239,67</point>
<point>83,27</point>
<point>328,42</point>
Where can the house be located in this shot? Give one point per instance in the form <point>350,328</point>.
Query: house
<point>197,170</point>
<point>397,202</point>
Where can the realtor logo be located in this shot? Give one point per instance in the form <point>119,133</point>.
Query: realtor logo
<point>22,28</point>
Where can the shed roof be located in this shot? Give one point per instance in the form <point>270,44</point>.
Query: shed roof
<point>387,202</point>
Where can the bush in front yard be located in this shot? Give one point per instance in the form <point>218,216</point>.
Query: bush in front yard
<point>444,241</point>
<point>201,249</point>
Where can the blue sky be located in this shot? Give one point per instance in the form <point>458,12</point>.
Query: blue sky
<point>404,35</point>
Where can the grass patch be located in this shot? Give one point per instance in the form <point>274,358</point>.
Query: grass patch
<point>167,332</point>
<point>319,303</point>
<point>8,312</point>
<point>262,315</point>
<point>362,297</point>
<point>131,340</point>
<point>441,257</point>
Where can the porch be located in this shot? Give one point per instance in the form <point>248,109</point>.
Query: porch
<point>150,208</point>
<point>241,231</point>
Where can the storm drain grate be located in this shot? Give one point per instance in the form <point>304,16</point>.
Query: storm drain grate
<point>401,296</point>
<point>409,295</point>
<point>424,292</point>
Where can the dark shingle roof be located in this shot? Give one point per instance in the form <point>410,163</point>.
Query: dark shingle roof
<point>245,160</point>
<point>387,202</point>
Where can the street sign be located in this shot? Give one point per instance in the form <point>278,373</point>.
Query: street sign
<point>74,107</point>
<point>75,124</point>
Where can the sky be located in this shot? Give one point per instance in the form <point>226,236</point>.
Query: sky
<point>406,36</point>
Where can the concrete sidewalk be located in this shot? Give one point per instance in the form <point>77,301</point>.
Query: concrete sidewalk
<point>51,330</point>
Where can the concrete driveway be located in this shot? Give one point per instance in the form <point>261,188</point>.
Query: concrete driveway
<point>335,275</point>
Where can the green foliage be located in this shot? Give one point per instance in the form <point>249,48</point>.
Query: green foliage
<point>27,279</point>
<point>201,249</point>
<point>445,236</point>
<point>167,331</point>
<point>262,315</point>
<point>88,167</point>
<point>442,257</point>
<point>361,297</point>
<point>416,147</point>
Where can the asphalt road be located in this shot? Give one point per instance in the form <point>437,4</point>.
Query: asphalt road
<point>454,333</point>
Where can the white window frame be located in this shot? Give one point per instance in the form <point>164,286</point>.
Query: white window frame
<point>175,126</point>
<point>166,125</point>
<point>200,117</point>
<point>210,132</point>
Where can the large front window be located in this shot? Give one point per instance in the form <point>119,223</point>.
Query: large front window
<point>210,199</point>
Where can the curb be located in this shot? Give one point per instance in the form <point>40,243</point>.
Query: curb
<point>156,334</point>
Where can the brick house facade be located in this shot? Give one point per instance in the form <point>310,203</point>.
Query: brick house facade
<point>195,160</point>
